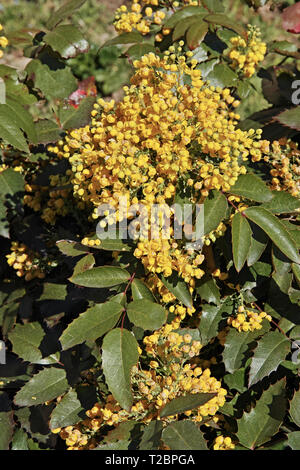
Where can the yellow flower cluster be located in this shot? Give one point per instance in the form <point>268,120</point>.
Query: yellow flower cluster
<point>25,262</point>
<point>245,55</point>
<point>163,256</point>
<point>248,320</point>
<point>163,133</point>
<point>223,443</point>
<point>52,201</point>
<point>285,160</point>
<point>170,375</point>
<point>143,14</point>
<point>3,42</point>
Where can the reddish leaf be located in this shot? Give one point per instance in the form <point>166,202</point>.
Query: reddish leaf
<point>291,18</point>
<point>85,88</point>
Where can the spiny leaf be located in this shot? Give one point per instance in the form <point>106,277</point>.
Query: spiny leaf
<point>236,347</point>
<point>241,240</point>
<point>290,118</point>
<point>282,203</point>
<point>92,324</point>
<point>251,187</point>
<point>223,20</point>
<point>180,15</point>
<point>196,33</point>
<point>6,429</point>
<point>44,386</point>
<point>270,352</point>
<point>185,403</point>
<point>179,288</point>
<point>215,209</point>
<point>66,10</point>
<point>66,412</point>
<point>263,421</point>
<point>67,40</point>
<point>295,408</point>
<point>208,290</point>
<point>275,229</point>
<point>183,435</point>
<point>26,340</point>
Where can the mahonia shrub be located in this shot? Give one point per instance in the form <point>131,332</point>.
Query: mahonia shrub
<point>123,327</point>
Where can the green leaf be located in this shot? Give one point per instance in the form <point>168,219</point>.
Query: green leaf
<point>251,187</point>
<point>4,224</point>
<point>125,38</point>
<point>282,270</point>
<point>146,314</point>
<point>23,117</point>
<point>180,15</point>
<point>215,209</point>
<point>139,290</point>
<point>66,10</point>
<point>182,26</point>
<point>214,6</point>
<point>119,355</point>
<point>47,131</point>
<point>10,130</point>
<point>59,83</point>
<point>72,118</point>
<point>120,445</point>
<point>241,239</point>
<point>185,403</point>
<point>85,263</point>
<point>296,271</point>
<point>209,322</point>
<point>71,248</point>
<point>290,118</point>
<point>92,324</point>
<point>236,380</point>
<point>222,76</point>
<point>6,429</point>
<point>109,244</point>
<point>44,386</point>
<point>270,352</point>
<point>294,440</point>
<point>104,276</point>
<point>282,203</point>
<point>196,33</point>
<point>136,51</point>
<point>275,229</point>
<point>243,89</point>
<point>263,421</point>
<point>223,20</point>
<point>259,241</point>
<point>11,183</point>
<point>26,340</point>
<point>208,290</point>
<point>183,435</point>
<point>53,291</point>
<point>151,437</point>
<point>295,408</point>
<point>67,40</point>
<point>19,441</point>
<point>236,348</point>
<point>179,288</point>
<point>66,412</point>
